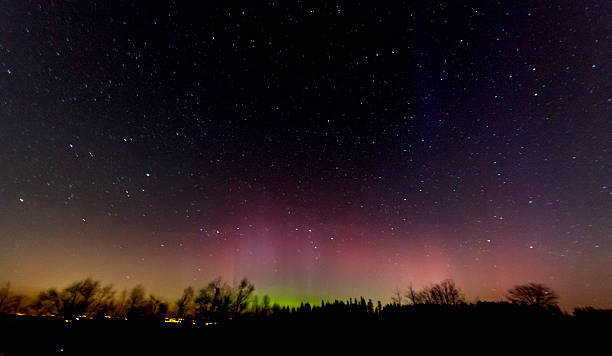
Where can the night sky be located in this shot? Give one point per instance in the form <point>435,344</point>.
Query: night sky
<point>322,151</point>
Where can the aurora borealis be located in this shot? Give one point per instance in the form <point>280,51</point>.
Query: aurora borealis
<point>322,150</point>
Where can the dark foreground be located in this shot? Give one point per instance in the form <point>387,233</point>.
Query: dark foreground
<point>434,331</point>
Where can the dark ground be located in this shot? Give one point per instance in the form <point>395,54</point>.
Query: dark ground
<point>435,332</point>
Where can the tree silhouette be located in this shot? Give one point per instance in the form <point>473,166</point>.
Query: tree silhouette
<point>83,298</point>
<point>243,293</point>
<point>157,308</point>
<point>397,297</point>
<point>9,303</point>
<point>533,294</point>
<point>185,303</point>
<point>48,303</point>
<point>236,312</point>
<point>413,296</point>
<point>214,301</point>
<point>265,304</point>
<point>218,301</point>
<point>444,293</point>
<point>136,303</point>
<point>221,303</point>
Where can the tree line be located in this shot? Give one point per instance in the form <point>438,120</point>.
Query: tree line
<point>220,302</point>
<point>90,299</point>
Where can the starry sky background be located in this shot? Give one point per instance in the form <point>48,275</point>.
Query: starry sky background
<point>322,150</point>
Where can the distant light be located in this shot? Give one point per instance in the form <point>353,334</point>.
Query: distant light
<point>21,200</point>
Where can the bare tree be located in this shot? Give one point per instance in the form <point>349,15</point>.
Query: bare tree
<point>397,297</point>
<point>83,298</point>
<point>214,300</point>
<point>9,303</point>
<point>243,293</point>
<point>185,303</point>
<point>121,305</point>
<point>533,294</point>
<point>136,303</point>
<point>157,308</point>
<point>103,303</point>
<point>413,296</point>
<point>219,301</point>
<point>48,303</point>
<point>444,293</point>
